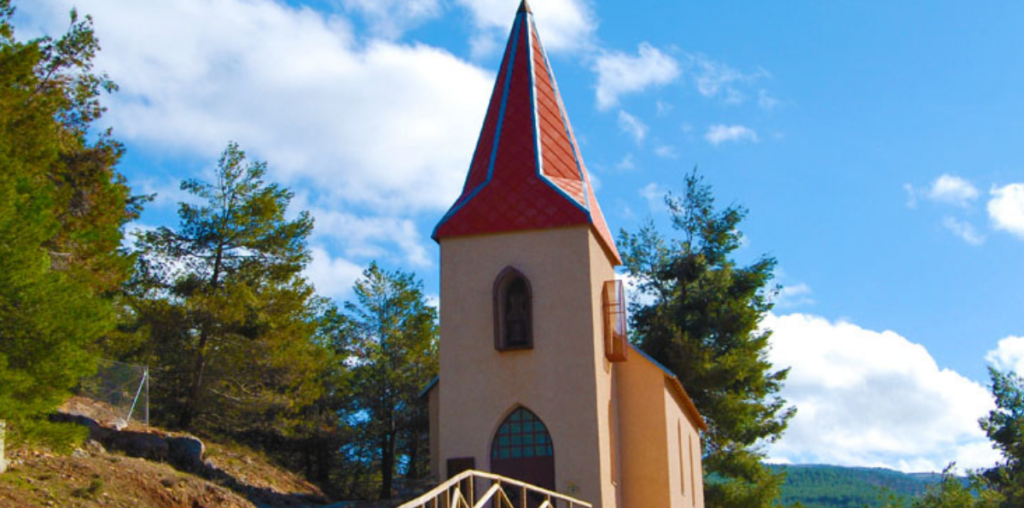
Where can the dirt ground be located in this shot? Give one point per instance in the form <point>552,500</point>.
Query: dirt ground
<point>95,477</point>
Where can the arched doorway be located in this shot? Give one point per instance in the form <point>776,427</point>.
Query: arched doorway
<point>522,449</point>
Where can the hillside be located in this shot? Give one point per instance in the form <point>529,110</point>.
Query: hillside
<point>230,476</point>
<point>820,486</point>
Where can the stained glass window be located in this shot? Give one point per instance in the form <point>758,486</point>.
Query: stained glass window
<point>522,435</point>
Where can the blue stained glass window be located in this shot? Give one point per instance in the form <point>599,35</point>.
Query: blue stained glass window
<point>522,435</point>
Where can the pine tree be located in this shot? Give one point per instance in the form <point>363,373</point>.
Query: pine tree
<point>703,325</point>
<point>392,334</point>
<point>62,208</point>
<point>1004,426</point>
<point>231,320</point>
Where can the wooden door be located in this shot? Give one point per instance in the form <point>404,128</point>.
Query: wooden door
<point>522,449</point>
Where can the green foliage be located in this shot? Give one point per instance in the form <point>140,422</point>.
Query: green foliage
<point>391,333</point>
<point>62,206</point>
<point>821,486</point>
<point>1001,486</point>
<point>703,325</point>
<point>1004,426</point>
<point>232,325</point>
<point>954,492</point>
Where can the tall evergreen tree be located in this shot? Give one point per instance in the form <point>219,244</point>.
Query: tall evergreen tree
<point>1001,486</point>
<point>232,321</point>
<point>392,333</point>
<point>62,208</point>
<point>1004,426</point>
<point>702,323</point>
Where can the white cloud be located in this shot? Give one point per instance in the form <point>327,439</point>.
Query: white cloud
<point>368,237</point>
<point>666,152</point>
<point>716,79</point>
<point>563,25</point>
<point>653,194</point>
<point>952,190</point>
<point>963,229</point>
<point>1008,355</point>
<point>390,18</point>
<point>766,101</point>
<point>794,296</point>
<point>626,163</point>
<point>1006,208</point>
<point>867,398</point>
<point>633,126</point>
<point>718,134</point>
<point>911,195</point>
<point>131,233</point>
<point>331,276</point>
<point>619,73</point>
<point>167,194</point>
<point>383,124</point>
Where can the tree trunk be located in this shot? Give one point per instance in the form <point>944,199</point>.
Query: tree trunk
<point>189,411</point>
<point>387,465</point>
<point>192,398</point>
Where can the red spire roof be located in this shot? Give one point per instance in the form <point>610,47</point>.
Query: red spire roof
<point>526,172</point>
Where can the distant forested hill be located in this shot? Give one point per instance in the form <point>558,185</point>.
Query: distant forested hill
<point>849,487</point>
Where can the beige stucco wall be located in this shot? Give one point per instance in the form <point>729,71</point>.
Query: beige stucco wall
<point>643,439</point>
<point>654,423</point>
<point>434,408</point>
<point>601,270</point>
<point>685,475</point>
<point>563,379</point>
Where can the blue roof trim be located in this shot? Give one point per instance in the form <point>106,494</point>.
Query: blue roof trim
<point>536,125</point>
<point>497,130</point>
<point>577,157</point>
<point>430,386</point>
<point>658,364</point>
<point>539,159</point>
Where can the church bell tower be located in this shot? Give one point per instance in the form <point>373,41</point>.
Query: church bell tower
<point>526,379</point>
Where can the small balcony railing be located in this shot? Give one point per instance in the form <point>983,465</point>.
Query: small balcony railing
<point>460,492</point>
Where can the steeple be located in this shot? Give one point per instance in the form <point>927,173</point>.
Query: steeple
<point>527,171</point>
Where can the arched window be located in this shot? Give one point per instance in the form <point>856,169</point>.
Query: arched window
<point>523,449</point>
<point>521,436</point>
<point>513,311</point>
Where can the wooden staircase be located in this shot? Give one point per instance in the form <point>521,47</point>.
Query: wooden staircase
<point>461,490</point>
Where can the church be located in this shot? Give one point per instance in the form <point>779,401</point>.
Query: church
<point>537,379</point>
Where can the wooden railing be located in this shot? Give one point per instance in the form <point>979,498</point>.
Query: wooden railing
<point>460,492</point>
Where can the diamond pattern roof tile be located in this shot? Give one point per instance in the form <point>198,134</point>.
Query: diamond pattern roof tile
<point>527,171</point>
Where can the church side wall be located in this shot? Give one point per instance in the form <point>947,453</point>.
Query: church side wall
<point>555,379</point>
<point>685,474</point>
<point>601,270</point>
<point>644,437</point>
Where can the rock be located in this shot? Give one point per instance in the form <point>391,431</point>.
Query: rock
<point>97,432</point>
<point>94,447</point>
<point>139,444</point>
<point>186,452</point>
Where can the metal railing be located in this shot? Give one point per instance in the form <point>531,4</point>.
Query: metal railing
<point>460,492</point>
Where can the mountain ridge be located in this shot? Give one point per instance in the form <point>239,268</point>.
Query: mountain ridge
<point>831,486</point>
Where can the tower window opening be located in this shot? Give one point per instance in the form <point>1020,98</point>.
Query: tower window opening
<point>513,323</point>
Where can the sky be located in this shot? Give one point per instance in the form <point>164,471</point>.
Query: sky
<point>878,146</point>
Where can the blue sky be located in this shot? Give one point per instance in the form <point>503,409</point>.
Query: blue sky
<point>877,145</point>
